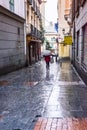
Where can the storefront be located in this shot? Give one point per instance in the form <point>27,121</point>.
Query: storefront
<point>33,50</point>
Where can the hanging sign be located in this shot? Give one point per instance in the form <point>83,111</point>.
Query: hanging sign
<point>68,40</point>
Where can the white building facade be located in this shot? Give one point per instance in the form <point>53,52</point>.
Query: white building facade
<point>12,19</point>
<point>16,6</point>
<point>63,27</point>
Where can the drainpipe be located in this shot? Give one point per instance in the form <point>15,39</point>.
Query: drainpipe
<point>25,8</point>
<point>25,39</point>
<point>25,25</point>
<point>73,45</point>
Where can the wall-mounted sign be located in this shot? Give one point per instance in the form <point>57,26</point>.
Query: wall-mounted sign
<point>68,40</point>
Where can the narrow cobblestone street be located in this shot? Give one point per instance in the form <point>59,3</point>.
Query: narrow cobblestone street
<point>34,98</point>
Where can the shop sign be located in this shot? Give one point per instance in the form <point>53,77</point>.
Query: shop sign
<point>68,40</point>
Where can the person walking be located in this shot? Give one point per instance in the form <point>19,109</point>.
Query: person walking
<point>47,60</point>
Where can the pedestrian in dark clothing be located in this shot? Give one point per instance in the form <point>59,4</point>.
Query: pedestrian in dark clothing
<point>47,60</point>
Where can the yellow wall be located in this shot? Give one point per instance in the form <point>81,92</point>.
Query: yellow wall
<point>64,51</point>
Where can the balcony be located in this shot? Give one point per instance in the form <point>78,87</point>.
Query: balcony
<point>35,8</point>
<point>33,31</point>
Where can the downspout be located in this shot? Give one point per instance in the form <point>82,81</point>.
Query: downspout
<point>25,25</point>
<point>25,8</point>
<point>74,33</point>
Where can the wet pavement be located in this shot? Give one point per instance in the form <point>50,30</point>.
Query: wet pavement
<point>34,93</point>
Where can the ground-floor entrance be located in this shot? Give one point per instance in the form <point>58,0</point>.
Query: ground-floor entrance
<point>33,51</point>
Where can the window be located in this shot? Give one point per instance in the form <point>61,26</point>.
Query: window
<point>77,53</point>
<point>11,5</point>
<point>18,31</point>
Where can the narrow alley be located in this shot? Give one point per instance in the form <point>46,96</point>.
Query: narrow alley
<point>34,98</point>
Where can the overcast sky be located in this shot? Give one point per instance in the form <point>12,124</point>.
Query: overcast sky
<point>51,11</point>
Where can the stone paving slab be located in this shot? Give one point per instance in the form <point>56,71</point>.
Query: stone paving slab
<point>61,124</point>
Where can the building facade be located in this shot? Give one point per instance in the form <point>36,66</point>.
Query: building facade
<point>63,27</point>
<point>51,37</point>
<point>33,30</point>
<point>42,8</point>
<point>79,48</point>
<point>12,18</point>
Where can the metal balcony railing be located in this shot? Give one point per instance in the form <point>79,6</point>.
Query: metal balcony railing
<point>30,29</point>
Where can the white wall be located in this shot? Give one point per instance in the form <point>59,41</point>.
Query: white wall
<point>18,6</point>
<point>80,22</point>
<point>62,22</point>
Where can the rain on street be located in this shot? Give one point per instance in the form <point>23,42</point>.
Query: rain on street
<point>34,93</point>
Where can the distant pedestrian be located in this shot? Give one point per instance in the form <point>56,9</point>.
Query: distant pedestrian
<point>47,60</point>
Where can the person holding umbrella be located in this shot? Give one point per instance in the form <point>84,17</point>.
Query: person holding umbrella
<point>47,60</point>
<point>46,54</point>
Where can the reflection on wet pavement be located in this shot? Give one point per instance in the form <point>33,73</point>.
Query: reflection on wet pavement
<point>34,91</point>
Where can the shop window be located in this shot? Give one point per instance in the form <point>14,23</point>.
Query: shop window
<point>11,5</point>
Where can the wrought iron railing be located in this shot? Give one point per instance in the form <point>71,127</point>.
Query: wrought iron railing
<point>32,30</point>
